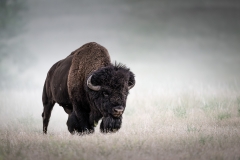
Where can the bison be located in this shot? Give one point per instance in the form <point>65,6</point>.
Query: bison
<point>89,88</point>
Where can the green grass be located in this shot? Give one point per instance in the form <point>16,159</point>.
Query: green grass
<point>165,125</point>
<point>238,105</point>
<point>180,112</point>
<point>223,116</point>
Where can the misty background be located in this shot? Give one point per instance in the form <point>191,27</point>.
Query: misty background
<point>175,48</point>
<point>165,43</point>
<point>186,58</point>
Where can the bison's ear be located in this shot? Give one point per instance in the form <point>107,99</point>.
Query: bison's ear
<point>131,81</point>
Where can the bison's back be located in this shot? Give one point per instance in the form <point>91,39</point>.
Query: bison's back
<point>56,82</point>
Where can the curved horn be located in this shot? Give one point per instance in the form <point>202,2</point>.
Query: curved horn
<point>91,86</point>
<point>130,87</point>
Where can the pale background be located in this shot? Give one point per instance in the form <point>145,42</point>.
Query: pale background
<point>184,53</point>
<point>164,42</point>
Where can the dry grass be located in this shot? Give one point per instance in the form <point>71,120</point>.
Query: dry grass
<point>193,123</point>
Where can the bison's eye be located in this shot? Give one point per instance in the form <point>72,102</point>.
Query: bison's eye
<point>105,94</point>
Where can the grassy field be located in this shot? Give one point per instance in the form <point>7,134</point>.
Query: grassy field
<point>191,123</point>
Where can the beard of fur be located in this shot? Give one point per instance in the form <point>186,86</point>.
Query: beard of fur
<point>110,124</point>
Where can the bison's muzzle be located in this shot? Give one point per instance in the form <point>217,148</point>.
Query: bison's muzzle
<point>117,111</point>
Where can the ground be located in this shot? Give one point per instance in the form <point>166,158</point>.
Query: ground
<point>192,123</point>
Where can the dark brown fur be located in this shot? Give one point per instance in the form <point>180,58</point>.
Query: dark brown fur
<point>66,85</point>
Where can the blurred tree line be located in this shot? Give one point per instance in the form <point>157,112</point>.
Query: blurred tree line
<point>13,59</point>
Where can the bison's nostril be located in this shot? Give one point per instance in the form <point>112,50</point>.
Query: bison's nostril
<point>118,110</point>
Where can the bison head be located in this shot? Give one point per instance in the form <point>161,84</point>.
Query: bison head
<point>108,89</point>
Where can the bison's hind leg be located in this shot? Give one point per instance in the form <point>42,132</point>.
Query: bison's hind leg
<point>47,114</point>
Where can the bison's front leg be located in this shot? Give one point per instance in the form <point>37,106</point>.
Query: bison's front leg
<point>110,124</point>
<point>79,124</point>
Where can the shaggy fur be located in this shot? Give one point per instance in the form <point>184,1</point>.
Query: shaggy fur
<point>66,84</point>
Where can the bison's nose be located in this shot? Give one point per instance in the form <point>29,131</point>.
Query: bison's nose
<point>117,111</point>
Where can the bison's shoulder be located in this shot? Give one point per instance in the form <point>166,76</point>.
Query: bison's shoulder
<point>86,59</point>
